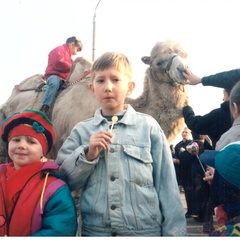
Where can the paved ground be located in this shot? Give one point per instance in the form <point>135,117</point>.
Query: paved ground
<point>194,228</point>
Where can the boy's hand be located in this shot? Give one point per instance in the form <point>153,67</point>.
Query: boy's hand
<point>98,142</point>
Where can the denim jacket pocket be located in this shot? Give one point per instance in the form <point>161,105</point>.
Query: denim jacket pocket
<point>142,192</point>
<point>140,164</point>
<point>139,153</point>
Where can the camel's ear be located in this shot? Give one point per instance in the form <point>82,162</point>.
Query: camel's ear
<point>146,60</point>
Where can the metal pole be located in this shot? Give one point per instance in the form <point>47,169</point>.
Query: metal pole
<point>94,33</point>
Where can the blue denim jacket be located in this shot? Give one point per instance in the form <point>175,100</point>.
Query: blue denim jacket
<point>129,190</point>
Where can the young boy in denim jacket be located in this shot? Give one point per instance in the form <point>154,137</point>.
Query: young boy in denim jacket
<point>121,160</point>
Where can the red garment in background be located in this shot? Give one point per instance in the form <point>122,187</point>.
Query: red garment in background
<point>59,62</point>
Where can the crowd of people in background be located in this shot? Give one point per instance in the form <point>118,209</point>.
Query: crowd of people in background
<point>221,125</point>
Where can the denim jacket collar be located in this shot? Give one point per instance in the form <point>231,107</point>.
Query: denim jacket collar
<point>128,118</point>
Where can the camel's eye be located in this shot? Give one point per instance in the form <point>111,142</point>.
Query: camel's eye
<point>159,64</point>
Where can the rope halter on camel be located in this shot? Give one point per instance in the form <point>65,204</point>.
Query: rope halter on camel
<point>83,76</point>
<point>38,89</point>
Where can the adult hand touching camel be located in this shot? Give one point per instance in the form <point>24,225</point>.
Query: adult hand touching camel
<point>191,78</point>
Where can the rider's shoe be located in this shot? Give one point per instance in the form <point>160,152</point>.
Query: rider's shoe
<point>46,109</point>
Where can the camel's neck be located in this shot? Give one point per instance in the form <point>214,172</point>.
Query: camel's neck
<point>150,90</point>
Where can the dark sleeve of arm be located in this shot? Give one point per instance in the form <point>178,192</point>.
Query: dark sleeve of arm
<point>199,124</point>
<point>223,79</point>
<point>59,217</point>
<point>177,149</point>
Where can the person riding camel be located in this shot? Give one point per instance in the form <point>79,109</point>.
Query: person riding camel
<point>58,69</point>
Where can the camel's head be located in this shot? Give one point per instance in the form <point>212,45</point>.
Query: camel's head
<point>168,58</point>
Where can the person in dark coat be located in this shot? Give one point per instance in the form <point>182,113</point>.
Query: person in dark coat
<point>225,188</point>
<point>186,139</point>
<point>180,147</point>
<point>196,190</point>
<point>214,123</point>
<point>226,79</point>
<point>218,121</point>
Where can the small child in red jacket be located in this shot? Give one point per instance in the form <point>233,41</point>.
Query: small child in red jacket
<point>34,200</point>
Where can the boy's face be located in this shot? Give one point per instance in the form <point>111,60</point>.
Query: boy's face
<point>24,150</point>
<point>111,88</point>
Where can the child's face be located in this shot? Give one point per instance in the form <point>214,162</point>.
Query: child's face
<point>24,150</point>
<point>111,88</point>
<point>74,49</point>
<point>225,96</point>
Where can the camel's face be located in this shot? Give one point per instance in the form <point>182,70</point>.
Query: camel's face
<point>168,60</point>
<point>178,66</point>
<point>170,63</point>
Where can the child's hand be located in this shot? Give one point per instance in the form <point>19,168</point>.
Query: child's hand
<point>98,142</point>
<point>176,161</point>
<point>209,175</point>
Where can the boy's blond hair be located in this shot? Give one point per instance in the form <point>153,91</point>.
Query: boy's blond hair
<point>112,59</point>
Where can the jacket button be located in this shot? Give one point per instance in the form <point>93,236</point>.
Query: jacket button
<point>113,207</point>
<point>112,178</point>
<point>111,150</point>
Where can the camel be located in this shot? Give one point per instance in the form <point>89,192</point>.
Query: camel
<point>163,95</point>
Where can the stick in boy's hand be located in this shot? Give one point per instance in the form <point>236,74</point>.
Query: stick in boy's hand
<point>114,120</point>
